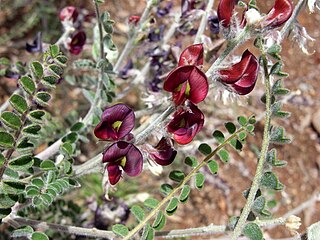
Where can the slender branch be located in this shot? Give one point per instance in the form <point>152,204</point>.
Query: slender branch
<point>180,186</point>
<point>130,43</point>
<point>204,21</point>
<point>213,229</point>
<point>88,232</point>
<point>265,144</point>
<point>232,44</point>
<point>154,124</point>
<point>291,20</point>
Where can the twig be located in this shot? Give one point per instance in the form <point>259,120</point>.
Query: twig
<point>88,232</point>
<point>130,42</point>
<point>203,22</point>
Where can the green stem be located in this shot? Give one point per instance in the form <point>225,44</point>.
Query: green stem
<point>180,186</point>
<point>260,167</point>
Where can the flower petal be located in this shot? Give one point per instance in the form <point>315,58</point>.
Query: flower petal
<point>198,86</point>
<point>68,13</point>
<point>117,121</point>
<point>134,163</point>
<point>233,73</point>
<point>176,77</point>
<point>192,55</point>
<point>225,11</point>
<point>116,151</point>
<point>114,173</point>
<point>186,123</point>
<point>77,42</point>
<point>279,14</point>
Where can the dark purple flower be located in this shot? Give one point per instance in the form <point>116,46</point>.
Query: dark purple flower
<point>68,13</point>
<point>122,156</point>
<point>123,73</point>
<point>213,23</point>
<point>117,121</point>
<point>156,34</point>
<point>77,42</point>
<point>11,74</point>
<point>163,153</point>
<point>187,82</point>
<point>188,5</point>
<point>186,123</point>
<point>242,76</point>
<point>161,12</point>
<point>36,46</point>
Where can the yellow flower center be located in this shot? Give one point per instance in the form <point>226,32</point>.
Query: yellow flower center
<point>116,125</point>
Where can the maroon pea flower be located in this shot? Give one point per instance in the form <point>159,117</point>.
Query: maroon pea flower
<point>225,11</point>
<point>242,76</point>
<point>192,55</point>
<point>279,14</point>
<point>68,13</point>
<point>122,156</point>
<point>77,42</point>
<point>186,123</point>
<point>117,121</point>
<point>164,153</point>
<point>187,82</point>
<point>134,20</point>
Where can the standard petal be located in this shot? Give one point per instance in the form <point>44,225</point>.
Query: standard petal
<point>114,173</point>
<point>117,121</point>
<point>192,55</point>
<point>225,11</point>
<point>176,77</point>
<point>134,161</point>
<point>116,151</point>
<point>198,86</point>
<point>279,14</point>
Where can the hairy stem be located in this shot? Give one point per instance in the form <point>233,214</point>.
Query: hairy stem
<point>180,186</point>
<point>129,45</point>
<point>265,144</point>
<point>203,22</point>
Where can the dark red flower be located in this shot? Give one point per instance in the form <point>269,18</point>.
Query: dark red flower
<point>116,123</point>
<point>134,20</point>
<point>164,153</point>
<point>187,82</point>
<point>279,14</point>
<point>192,55</point>
<point>122,156</point>
<point>77,42</point>
<point>242,76</point>
<point>68,13</point>
<point>186,123</point>
<point>225,11</point>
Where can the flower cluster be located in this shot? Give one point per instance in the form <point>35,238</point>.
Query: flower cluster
<point>72,23</point>
<point>277,15</point>
<point>116,125</point>
<point>187,83</point>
